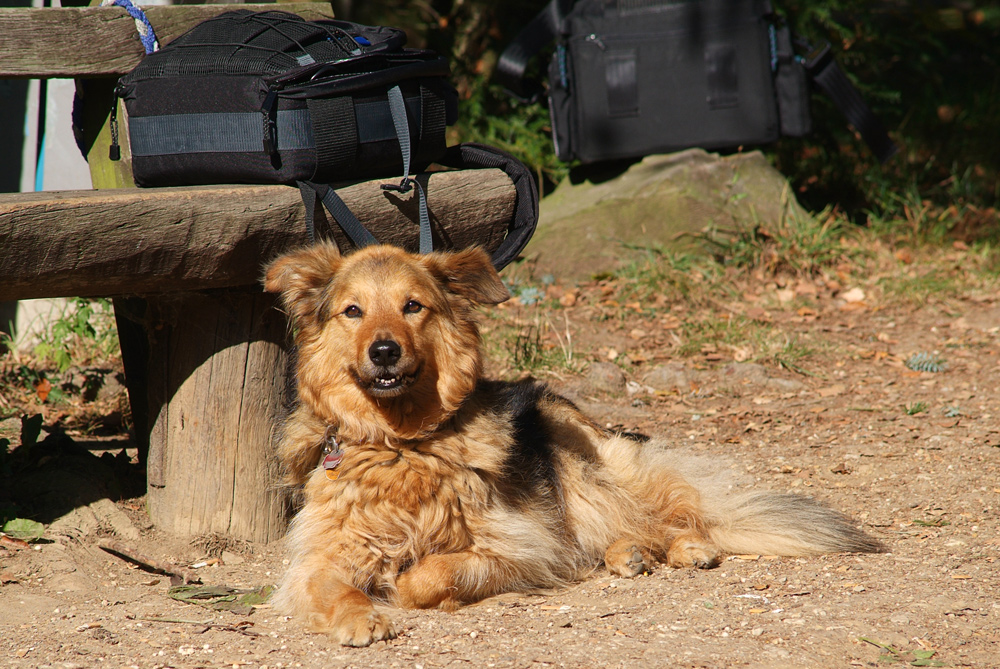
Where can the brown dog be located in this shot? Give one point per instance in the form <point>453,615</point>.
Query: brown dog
<point>428,486</point>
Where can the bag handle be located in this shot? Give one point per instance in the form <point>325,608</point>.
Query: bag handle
<point>533,38</point>
<point>470,155</point>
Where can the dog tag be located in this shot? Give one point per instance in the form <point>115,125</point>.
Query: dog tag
<point>331,462</point>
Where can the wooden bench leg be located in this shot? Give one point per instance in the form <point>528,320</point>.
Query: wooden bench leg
<point>215,376</point>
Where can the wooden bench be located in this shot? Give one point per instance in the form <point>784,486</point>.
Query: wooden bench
<point>204,348</point>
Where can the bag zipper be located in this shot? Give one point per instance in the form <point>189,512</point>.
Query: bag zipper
<point>269,114</point>
<point>115,151</point>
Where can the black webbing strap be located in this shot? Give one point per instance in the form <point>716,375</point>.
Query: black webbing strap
<point>398,107</point>
<point>341,213</point>
<point>335,132</point>
<point>830,79</point>
<point>433,118</point>
<point>525,218</point>
<point>533,38</point>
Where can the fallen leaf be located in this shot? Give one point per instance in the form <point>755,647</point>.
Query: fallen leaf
<point>22,528</point>
<point>960,324</point>
<point>42,389</point>
<point>853,295</point>
<point>830,391</point>
<point>904,256</point>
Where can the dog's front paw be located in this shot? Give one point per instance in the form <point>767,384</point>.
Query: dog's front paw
<point>692,551</point>
<point>360,629</point>
<point>627,559</point>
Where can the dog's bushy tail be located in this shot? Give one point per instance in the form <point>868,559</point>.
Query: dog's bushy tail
<point>768,523</point>
<point>744,520</point>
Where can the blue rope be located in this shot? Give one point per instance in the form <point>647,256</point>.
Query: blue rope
<point>142,24</point>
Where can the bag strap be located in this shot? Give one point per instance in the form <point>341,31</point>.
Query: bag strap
<point>341,213</point>
<point>829,78</point>
<point>471,155</point>
<point>398,108</point>
<point>533,38</point>
<point>461,156</point>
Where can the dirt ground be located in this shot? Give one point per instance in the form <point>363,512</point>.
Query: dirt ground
<point>913,456</point>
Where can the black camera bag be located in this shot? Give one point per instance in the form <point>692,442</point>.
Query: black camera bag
<point>630,78</point>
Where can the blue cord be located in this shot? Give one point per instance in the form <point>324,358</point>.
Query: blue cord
<point>142,24</point>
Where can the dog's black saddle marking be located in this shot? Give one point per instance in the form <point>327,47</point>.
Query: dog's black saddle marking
<point>531,475</point>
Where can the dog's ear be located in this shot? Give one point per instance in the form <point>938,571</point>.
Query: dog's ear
<point>300,277</point>
<point>468,273</point>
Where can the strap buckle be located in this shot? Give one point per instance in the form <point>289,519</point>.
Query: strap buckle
<point>818,57</point>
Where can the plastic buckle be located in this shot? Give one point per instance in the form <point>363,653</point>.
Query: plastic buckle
<point>818,57</point>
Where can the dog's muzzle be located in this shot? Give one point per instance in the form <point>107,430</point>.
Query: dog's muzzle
<point>386,378</point>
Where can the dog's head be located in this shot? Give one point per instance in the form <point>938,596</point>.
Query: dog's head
<point>388,341</point>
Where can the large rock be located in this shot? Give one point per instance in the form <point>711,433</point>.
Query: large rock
<point>588,228</point>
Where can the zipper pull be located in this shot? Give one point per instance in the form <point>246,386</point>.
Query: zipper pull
<point>592,37</point>
<point>269,114</point>
<point>114,151</point>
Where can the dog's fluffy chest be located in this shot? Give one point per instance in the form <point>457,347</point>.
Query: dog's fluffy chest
<point>387,508</point>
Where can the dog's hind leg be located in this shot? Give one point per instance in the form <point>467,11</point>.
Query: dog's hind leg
<point>692,549</point>
<point>628,558</point>
<point>449,580</point>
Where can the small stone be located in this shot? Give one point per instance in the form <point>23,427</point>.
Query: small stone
<point>606,376</point>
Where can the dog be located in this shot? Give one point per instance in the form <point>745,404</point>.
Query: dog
<point>427,485</point>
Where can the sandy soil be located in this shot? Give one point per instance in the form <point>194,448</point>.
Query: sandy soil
<point>926,484</point>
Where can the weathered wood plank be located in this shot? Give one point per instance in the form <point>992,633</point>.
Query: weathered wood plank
<point>71,42</point>
<point>162,240</point>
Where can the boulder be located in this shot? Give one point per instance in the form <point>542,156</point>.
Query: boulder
<point>661,202</point>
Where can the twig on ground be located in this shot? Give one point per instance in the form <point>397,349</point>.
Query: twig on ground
<point>243,627</point>
<point>148,563</point>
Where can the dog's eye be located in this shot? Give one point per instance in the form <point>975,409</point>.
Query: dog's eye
<point>353,311</point>
<point>412,307</point>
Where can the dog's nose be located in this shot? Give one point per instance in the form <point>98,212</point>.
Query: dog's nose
<point>384,352</point>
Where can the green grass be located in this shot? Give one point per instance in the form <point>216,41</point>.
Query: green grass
<point>83,334</point>
<point>797,243</point>
<point>534,345</point>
